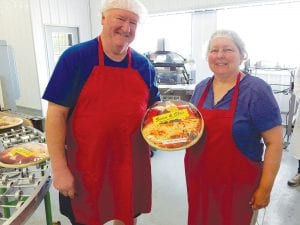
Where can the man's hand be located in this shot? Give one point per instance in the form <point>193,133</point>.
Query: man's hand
<point>63,181</point>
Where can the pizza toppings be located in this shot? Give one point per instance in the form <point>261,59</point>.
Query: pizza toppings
<point>176,125</point>
<point>23,154</point>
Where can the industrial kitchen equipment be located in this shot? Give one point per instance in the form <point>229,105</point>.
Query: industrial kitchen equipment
<point>9,85</point>
<point>175,75</point>
<point>281,79</point>
<point>22,186</point>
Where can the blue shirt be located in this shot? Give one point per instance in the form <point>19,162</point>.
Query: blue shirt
<point>76,64</point>
<point>256,111</point>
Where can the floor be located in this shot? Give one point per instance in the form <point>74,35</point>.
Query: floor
<point>169,196</point>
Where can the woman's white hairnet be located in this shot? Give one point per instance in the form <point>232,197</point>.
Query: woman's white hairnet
<point>134,6</point>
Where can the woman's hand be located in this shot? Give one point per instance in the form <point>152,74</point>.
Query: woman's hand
<point>260,199</point>
<point>273,153</point>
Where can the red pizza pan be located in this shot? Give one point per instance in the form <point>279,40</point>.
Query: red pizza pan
<point>23,155</point>
<point>172,125</point>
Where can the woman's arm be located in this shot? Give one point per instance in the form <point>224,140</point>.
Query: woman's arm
<point>273,153</point>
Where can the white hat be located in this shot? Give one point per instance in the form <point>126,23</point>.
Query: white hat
<point>134,6</point>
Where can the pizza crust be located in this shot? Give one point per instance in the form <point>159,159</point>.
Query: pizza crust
<point>8,122</point>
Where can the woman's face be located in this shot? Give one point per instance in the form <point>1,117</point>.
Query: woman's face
<point>224,57</point>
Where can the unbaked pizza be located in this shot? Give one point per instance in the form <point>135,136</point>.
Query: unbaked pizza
<point>172,125</point>
<point>24,155</point>
<point>8,122</point>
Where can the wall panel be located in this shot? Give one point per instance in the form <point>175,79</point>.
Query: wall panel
<point>15,28</point>
<point>22,26</point>
<point>68,13</point>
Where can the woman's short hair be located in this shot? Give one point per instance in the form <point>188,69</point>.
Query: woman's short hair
<point>232,35</point>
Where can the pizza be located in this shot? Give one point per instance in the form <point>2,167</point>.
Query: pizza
<point>24,154</point>
<point>8,122</point>
<point>172,125</point>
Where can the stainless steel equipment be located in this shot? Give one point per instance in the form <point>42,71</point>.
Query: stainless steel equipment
<point>20,135</point>
<point>23,189</point>
<point>10,90</point>
<point>171,68</point>
<point>175,76</point>
<point>21,192</point>
<point>176,92</point>
<point>281,80</point>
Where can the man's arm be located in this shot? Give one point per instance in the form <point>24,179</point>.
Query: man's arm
<point>56,119</point>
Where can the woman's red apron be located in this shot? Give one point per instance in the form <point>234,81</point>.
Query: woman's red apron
<point>220,180</point>
<point>106,152</point>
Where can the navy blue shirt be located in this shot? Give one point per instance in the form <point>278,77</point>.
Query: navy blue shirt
<point>76,64</point>
<point>256,111</point>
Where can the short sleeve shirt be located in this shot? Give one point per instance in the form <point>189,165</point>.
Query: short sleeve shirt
<point>257,111</point>
<point>76,64</point>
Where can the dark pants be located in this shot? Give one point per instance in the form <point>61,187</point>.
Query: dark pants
<point>66,208</point>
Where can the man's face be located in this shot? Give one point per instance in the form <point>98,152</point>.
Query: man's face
<point>119,27</point>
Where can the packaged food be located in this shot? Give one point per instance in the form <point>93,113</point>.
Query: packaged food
<point>172,125</point>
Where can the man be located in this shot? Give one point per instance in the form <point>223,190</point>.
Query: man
<point>98,94</point>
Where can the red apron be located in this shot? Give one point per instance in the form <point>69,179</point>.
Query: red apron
<point>106,152</point>
<point>220,180</point>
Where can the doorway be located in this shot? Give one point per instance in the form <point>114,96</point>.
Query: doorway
<point>58,39</point>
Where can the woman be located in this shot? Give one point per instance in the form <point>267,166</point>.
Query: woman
<point>226,179</point>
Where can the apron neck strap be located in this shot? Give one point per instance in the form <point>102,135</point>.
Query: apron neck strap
<point>236,92</point>
<point>101,53</point>
<point>234,96</point>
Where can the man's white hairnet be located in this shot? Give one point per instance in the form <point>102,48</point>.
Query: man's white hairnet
<point>134,6</point>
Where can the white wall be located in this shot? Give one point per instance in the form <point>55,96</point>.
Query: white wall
<point>15,28</point>
<point>95,6</point>
<point>205,23</point>
<point>22,25</point>
<point>68,13</point>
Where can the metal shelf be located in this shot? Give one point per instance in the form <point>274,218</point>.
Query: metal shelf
<point>286,88</point>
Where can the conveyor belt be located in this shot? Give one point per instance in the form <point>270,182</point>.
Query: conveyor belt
<point>23,189</point>
<point>21,193</point>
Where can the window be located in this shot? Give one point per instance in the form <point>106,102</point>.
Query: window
<point>269,31</point>
<point>174,28</point>
<point>58,39</point>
